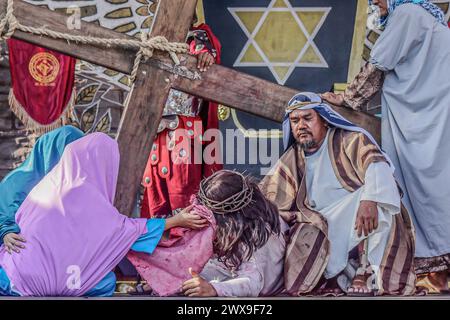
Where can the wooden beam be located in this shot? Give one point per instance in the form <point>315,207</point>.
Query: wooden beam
<point>243,96</point>
<point>174,19</point>
<point>137,131</point>
<point>256,96</point>
<point>141,118</point>
<point>115,58</point>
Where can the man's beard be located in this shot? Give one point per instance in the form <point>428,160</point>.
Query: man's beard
<point>308,145</point>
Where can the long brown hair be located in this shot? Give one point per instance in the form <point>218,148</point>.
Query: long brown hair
<point>240,233</point>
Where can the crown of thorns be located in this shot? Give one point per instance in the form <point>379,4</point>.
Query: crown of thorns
<point>236,202</point>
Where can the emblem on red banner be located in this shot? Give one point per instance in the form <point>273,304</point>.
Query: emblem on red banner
<point>44,68</point>
<point>42,93</point>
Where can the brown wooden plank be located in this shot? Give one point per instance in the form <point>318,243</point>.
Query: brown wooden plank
<point>242,92</point>
<point>255,96</point>
<point>139,123</point>
<point>137,131</point>
<point>174,19</point>
<point>115,58</point>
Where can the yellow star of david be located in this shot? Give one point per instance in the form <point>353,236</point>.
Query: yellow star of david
<point>280,37</point>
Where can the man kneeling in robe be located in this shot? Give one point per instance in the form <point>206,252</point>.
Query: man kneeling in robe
<point>336,188</point>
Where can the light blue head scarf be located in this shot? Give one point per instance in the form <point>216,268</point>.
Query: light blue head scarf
<point>15,187</point>
<point>309,100</point>
<point>427,5</point>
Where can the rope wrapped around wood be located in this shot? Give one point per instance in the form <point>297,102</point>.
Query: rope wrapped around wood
<point>146,46</point>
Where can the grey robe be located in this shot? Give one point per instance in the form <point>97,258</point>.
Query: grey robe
<point>414,51</point>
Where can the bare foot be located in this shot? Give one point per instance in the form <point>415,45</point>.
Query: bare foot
<point>359,285</point>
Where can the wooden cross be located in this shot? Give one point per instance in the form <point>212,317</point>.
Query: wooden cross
<point>156,77</point>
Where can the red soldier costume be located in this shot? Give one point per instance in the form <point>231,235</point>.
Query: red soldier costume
<point>168,185</point>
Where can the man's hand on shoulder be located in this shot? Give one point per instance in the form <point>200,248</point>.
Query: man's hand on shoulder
<point>333,98</point>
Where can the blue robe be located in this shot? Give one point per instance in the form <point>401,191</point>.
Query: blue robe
<point>15,187</point>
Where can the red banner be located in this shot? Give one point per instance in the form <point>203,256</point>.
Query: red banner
<point>42,91</point>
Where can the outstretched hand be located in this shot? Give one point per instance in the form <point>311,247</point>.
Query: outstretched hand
<point>198,287</point>
<point>13,242</point>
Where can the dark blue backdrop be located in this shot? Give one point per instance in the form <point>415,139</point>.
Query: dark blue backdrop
<point>334,41</point>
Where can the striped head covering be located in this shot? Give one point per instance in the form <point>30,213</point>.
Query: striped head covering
<point>433,9</point>
<point>309,100</point>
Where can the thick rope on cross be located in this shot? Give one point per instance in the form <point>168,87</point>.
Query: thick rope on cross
<point>9,24</point>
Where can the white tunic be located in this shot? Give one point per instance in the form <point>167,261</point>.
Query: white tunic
<point>262,275</point>
<point>339,207</point>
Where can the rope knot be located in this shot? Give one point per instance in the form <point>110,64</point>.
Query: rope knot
<point>147,48</point>
<point>161,43</point>
<point>148,45</point>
